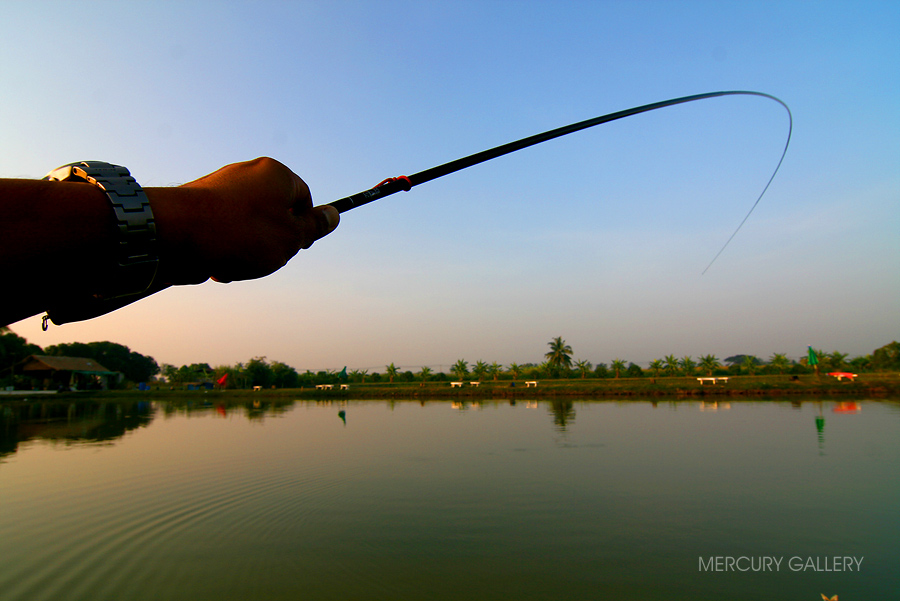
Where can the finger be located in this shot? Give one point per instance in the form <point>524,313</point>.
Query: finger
<point>321,221</point>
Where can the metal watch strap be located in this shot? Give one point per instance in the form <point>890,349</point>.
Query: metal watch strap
<point>136,250</point>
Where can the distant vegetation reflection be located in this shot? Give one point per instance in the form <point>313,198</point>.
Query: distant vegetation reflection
<point>83,421</point>
<point>69,423</point>
<point>95,421</point>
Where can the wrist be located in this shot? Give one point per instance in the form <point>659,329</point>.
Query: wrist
<point>135,250</point>
<point>178,212</point>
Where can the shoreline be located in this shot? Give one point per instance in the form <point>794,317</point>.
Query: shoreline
<point>750,387</point>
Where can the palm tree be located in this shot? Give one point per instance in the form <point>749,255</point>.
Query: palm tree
<point>479,370</point>
<point>494,370</point>
<point>688,365</point>
<point>671,364</point>
<point>460,369</point>
<point>559,356</point>
<point>709,363</point>
<point>515,369</point>
<point>425,373</point>
<point>583,366</point>
<point>780,362</point>
<point>617,365</point>
<point>391,371</point>
<point>838,360</point>
<point>750,363</point>
<point>656,365</point>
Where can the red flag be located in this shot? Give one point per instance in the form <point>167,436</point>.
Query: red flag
<point>221,381</point>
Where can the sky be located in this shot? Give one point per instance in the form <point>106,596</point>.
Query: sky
<point>599,237</point>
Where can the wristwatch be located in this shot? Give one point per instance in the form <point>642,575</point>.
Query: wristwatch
<point>136,250</point>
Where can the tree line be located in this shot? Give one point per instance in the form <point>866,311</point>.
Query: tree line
<point>113,356</point>
<point>558,362</point>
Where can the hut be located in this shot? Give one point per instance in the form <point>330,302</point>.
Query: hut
<point>65,373</point>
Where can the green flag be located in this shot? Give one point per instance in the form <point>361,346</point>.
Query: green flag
<point>343,374</point>
<point>813,360</point>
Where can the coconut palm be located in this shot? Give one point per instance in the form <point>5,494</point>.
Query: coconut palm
<point>617,365</point>
<point>780,362</point>
<point>750,364</point>
<point>559,356</point>
<point>494,370</point>
<point>515,370</point>
<point>688,365</point>
<point>479,370</point>
<point>391,371</point>
<point>838,360</point>
<point>656,365</point>
<point>583,366</point>
<point>425,373</point>
<point>671,362</point>
<point>460,369</point>
<point>709,363</point>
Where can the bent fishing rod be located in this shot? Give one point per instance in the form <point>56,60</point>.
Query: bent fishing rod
<point>405,183</point>
<point>82,311</point>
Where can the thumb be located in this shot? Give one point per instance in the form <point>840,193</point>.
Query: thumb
<point>324,220</point>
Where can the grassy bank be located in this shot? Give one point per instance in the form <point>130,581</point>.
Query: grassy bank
<point>867,385</point>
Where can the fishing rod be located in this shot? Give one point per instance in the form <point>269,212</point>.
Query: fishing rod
<point>405,183</point>
<point>82,311</point>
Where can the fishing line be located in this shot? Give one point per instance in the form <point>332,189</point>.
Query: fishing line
<point>405,183</point>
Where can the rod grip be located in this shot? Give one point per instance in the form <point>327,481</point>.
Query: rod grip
<point>385,188</point>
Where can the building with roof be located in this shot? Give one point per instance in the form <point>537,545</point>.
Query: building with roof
<point>66,373</point>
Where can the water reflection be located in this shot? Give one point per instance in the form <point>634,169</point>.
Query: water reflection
<point>840,408</point>
<point>563,413</point>
<point>820,429</point>
<point>417,500</point>
<point>847,407</point>
<point>75,422</point>
<point>714,406</point>
<point>251,409</point>
<point>93,420</point>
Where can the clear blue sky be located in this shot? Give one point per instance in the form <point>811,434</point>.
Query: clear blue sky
<point>599,237</point>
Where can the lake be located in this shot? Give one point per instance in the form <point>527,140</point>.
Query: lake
<point>638,500</point>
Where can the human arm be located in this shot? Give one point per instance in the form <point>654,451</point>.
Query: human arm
<point>243,221</point>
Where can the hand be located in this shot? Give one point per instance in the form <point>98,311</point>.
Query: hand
<point>247,221</point>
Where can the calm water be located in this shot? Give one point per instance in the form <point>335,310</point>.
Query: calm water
<point>433,501</point>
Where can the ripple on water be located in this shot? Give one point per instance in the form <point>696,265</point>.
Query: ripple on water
<point>102,540</point>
